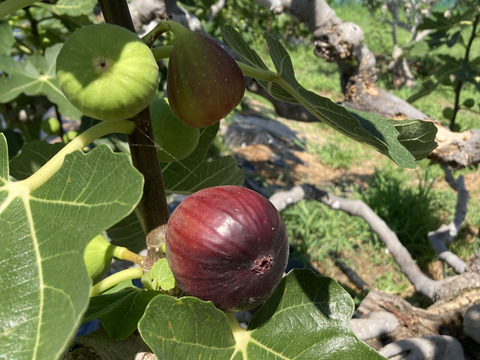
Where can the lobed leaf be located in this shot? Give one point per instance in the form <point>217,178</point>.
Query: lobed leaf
<point>44,284</point>
<point>34,76</point>
<point>307,317</point>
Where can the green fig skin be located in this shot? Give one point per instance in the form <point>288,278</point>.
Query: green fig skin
<point>175,139</point>
<point>98,257</point>
<point>204,83</point>
<point>107,72</point>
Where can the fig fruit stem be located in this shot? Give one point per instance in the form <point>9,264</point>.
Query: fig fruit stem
<point>123,253</point>
<point>150,37</point>
<point>163,52</point>
<point>82,140</point>
<point>9,6</point>
<point>115,279</point>
<point>257,73</point>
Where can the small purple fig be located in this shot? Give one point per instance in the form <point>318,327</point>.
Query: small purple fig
<point>228,245</point>
<point>204,83</point>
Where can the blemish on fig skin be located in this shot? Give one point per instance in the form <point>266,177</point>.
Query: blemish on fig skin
<point>262,265</point>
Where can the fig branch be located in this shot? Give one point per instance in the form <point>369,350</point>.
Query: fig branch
<point>153,205</point>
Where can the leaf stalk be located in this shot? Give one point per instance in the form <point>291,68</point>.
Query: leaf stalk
<point>114,279</point>
<point>82,140</point>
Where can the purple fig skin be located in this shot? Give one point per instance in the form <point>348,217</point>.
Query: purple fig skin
<point>204,83</point>
<point>227,245</point>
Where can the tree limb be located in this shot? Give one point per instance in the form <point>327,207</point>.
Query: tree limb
<point>440,238</point>
<point>437,291</point>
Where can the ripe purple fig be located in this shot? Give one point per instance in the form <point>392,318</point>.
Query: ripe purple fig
<point>204,83</point>
<point>228,245</point>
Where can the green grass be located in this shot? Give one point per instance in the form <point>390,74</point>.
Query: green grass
<point>337,152</point>
<point>411,211</point>
<point>317,230</point>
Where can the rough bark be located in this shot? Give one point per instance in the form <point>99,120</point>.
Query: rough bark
<point>145,12</point>
<point>456,150</point>
<point>440,238</point>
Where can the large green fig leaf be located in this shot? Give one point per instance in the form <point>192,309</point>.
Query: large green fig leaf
<point>34,76</point>
<point>366,128</point>
<point>307,317</point>
<point>196,172</point>
<point>33,156</point>
<point>44,230</point>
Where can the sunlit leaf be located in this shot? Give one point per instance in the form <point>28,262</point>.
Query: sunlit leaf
<point>307,317</point>
<point>44,231</point>
<point>34,76</point>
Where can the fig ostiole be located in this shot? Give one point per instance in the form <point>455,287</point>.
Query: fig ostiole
<point>175,140</point>
<point>227,245</point>
<point>204,83</point>
<point>107,72</point>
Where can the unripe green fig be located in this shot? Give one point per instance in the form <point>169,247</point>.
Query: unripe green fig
<point>447,113</point>
<point>69,136</point>
<point>51,126</point>
<point>97,257</point>
<point>107,72</point>
<point>468,103</point>
<point>175,139</point>
<point>204,83</point>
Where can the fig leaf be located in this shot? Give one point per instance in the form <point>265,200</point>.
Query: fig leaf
<point>159,277</point>
<point>34,76</point>
<point>49,228</point>
<point>119,311</point>
<point>307,317</point>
